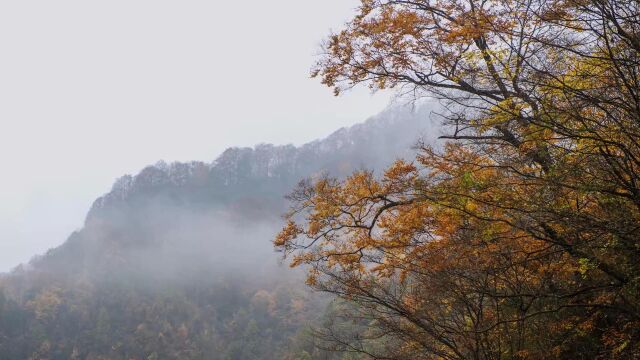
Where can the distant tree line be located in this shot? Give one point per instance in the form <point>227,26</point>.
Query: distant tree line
<point>227,320</point>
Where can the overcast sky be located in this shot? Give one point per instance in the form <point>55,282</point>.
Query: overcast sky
<point>91,90</point>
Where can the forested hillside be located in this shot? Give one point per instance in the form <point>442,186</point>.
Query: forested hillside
<point>176,262</point>
<point>515,236</point>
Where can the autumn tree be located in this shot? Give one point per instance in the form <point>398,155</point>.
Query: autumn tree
<point>519,238</point>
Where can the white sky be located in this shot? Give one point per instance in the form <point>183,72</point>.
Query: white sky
<point>91,90</point>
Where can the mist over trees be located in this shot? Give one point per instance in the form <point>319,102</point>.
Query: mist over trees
<point>176,262</point>
<point>515,236</point>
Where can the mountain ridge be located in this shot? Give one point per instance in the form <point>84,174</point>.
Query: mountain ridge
<point>268,161</point>
<point>176,261</point>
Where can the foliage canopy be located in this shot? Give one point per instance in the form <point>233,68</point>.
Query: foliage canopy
<point>519,237</point>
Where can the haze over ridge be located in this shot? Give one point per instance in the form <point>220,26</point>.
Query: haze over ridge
<point>246,184</point>
<point>92,90</point>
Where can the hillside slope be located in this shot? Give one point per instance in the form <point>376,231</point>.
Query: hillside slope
<point>176,263</point>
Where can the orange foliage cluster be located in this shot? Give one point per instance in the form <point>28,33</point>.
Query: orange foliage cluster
<point>519,238</point>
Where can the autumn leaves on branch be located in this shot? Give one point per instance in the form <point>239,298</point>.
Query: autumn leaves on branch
<point>519,238</point>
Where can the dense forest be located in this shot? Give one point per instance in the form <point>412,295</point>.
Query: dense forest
<point>514,235</point>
